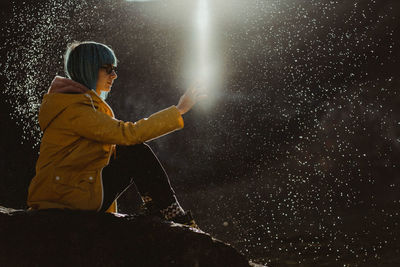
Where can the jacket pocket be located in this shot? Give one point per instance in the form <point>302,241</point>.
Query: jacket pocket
<point>76,190</point>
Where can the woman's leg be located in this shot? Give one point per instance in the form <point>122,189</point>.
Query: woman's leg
<point>138,163</point>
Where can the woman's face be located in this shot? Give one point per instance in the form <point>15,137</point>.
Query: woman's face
<point>106,77</point>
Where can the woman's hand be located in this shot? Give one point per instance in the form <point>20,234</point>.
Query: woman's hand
<point>189,98</point>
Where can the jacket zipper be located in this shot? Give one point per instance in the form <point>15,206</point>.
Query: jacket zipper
<point>102,189</point>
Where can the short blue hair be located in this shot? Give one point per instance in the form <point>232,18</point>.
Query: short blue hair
<point>83,60</point>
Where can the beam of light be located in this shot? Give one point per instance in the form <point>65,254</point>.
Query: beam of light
<point>201,60</point>
<point>142,0</point>
<point>202,29</point>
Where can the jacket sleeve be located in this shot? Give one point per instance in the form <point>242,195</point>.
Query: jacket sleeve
<point>92,124</point>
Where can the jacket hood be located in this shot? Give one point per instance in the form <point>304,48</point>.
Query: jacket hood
<point>62,93</point>
<point>65,85</point>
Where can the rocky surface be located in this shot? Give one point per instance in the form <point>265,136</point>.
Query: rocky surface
<point>74,238</point>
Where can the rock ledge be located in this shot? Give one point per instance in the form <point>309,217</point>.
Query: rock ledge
<point>77,238</point>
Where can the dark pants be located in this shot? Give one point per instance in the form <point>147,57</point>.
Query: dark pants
<point>140,166</point>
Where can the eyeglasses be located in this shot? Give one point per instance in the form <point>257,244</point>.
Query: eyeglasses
<point>109,68</point>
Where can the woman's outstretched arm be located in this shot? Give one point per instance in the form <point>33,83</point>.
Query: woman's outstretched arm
<point>89,123</point>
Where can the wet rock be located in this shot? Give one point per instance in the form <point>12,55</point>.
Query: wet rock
<point>77,238</point>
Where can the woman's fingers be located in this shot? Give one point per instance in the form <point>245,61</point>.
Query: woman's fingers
<point>201,97</point>
<point>197,86</point>
<point>197,90</point>
<point>192,95</point>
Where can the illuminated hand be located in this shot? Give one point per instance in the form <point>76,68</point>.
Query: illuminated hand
<point>189,98</point>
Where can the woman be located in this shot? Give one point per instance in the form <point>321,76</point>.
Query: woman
<point>80,134</point>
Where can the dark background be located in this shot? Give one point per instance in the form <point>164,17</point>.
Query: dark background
<point>295,162</point>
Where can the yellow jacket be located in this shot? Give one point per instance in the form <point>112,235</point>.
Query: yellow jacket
<point>79,136</point>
